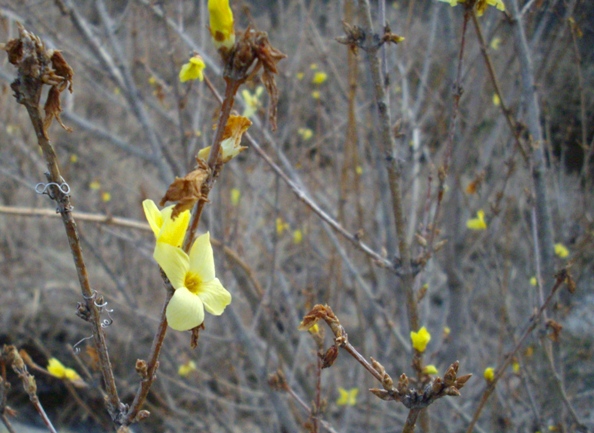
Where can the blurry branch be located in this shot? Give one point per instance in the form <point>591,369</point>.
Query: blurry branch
<point>120,75</point>
<point>37,66</point>
<point>513,126</point>
<point>539,172</point>
<point>562,277</point>
<point>10,356</point>
<point>392,164</point>
<point>231,255</point>
<point>413,399</point>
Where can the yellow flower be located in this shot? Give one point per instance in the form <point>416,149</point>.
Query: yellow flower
<point>221,23</point>
<point>359,170</point>
<point>315,94</point>
<point>297,237</point>
<point>446,331</point>
<point>106,196</point>
<point>477,223</point>
<point>235,196</point>
<point>319,78</point>
<point>495,43</point>
<point>300,75</point>
<point>430,369</point>
<point>185,369</point>
<point>516,367</point>
<point>348,397</point>
<point>95,185</point>
<point>489,374</point>
<point>192,70</point>
<point>481,5</point>
<point>561,250</point>
<point>281,226</point>
<point>496,100</point>
<point>252,102</point>
<point>57,369</point>
<point>305,133</point>
<point>313,66</point>
<point>166,230</point>
<point>193,278</point>
<point>533,281</point>
<point>420,339</point>
<point>231,143</point>
<point>73,158</point>
<point>314,329</point>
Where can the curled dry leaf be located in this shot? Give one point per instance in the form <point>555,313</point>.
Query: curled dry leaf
<point>329,357</point>
<point>186,191</point>
<point>231,141</point>
<point>53,108</point>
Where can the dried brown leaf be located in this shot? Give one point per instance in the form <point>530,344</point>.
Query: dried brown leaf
<point>186,191</point>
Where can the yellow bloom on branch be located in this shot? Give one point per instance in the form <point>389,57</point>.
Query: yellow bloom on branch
<point>489,374</point>
<point>185,369</point>
<point>252,101</point>
<point>193,278</point>
<point>166,230</point>
<point>347,397</point>
<point>477,223</point>
<point>430,369</point>
<point>57,369</point>
<point>420,339</point>
<point>481,5</point>
<point>231,141</point>
<point>192,70</point>
<point>319,78</point>
<point>561,250</point>
<point>221,23</point>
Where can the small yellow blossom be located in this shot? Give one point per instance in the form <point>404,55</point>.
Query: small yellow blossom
<point>315,94</point>
<point>314,329</point>
<point>152,80</point>
<point>185,369</point>
<point>221,23</point>
<point>495,43</point>
<point>73,158</point>
<point>319,77</point>
<point>430,369</point>
<point>166,230</point>
<point>299,75</point>
<point>235,196</point>
<point>516,367</point>
<point>297,237</point>
<point>477,223</point>
<point>192,70</point>
<point>252,101</point>
<point>193,278</point>
<point>57,369</point>
<point>420,339</point>
<point>231,142</point>
<point>481,5</point>
<point>446,331</point>
<point>313,66</point>
<point>489,374</point>
<point>359,170</point>
<point>561,250</point>
<point>95,185</point>
<point>281,226</point>
<point>106,196</point>
<point>117,91</point>
<point>529,352</point>
<point>305,133</point>
<point>533,281</point>
<point>198,133</point>
<point>348,397</point>
<point>496,100</point>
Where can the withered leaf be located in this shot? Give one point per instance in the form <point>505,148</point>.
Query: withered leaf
<point>186,191</point>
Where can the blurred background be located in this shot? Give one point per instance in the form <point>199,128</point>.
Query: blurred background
<point>136,127</point>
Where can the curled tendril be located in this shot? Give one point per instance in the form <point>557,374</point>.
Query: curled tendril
<point>93,296</point>
<point>76,347</point>
<point>45,188</point>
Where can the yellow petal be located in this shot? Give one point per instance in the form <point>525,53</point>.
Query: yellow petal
<point>202,258</point>
<point>297,237</point>
<point>420,339</point>
<point>214,297</point>
<point>430,369</point>
<point>477,223</point>
<point>153,216</point>
<point>173,231</point>
<point>319,78</point>
<point>561,250</point>
<point>347,397</point>
<point>489,374</point>
<point>221,23</point>
<point>235,196</point>
<point>71,374</point>
<point>192,70</point>
<point>533,281</point>
<point>174,262</point>
<point>185,369</point>
<point>185,310</point>
<point>56,368</point>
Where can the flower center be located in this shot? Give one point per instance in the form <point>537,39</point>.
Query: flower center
<point>193,282</point>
